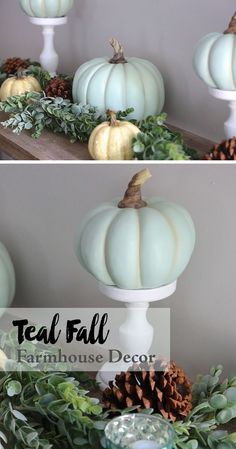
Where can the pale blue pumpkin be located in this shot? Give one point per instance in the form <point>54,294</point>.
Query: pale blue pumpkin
<point>7,278</point>
<point>119,84</point>
<point>46,8</point>
<point>136,248</point>
<point>215,59</point>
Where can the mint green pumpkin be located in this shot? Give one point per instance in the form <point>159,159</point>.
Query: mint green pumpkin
<point>134,248</point>
<point>46,8</point>
<point>7,278</point>
<point>215,59</point>
<point>120,83</point>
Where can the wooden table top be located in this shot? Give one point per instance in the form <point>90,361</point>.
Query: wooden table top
<point>54,147</point>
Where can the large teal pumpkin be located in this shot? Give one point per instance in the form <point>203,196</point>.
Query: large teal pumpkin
<point>7,278</point>
<point>46,8</point>
<point>215,59</point>
<point>120,83</point>
<point>136,244</point>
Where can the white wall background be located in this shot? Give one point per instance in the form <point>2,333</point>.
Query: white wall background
<point>42,205</point>
<point>164,31</point>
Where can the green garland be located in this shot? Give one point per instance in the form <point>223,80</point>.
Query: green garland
<point>35,112</point>
<point>54,409</point>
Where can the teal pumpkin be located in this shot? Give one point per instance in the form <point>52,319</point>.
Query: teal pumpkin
<point>215,59</point>
<point>46,8</point>
<point>7,278</point>
<point>120,83</point>
<point>135,247</point>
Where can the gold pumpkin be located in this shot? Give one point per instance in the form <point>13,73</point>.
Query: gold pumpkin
<point>113,140</point>
<point>18,85</point>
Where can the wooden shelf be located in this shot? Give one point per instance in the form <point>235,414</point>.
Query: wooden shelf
<point>54,147</point>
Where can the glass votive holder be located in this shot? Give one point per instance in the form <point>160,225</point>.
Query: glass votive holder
<point>139,431</point>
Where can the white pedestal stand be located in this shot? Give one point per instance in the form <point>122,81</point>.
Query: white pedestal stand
<point>136,333</point>
<point>49,58</point>
<point>230,96</point>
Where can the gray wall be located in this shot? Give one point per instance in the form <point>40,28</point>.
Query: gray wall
<point>165,32</point>
<point>41,207</point>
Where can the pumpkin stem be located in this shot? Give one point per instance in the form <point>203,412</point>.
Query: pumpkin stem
<point>20,73</point>
<point>113,120</point>
<point>132,197</point>
<point>118,57</point>
<point>232,26</point>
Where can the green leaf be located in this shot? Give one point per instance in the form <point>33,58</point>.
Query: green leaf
<point>19,415</point>
<point>14,388</point>
<point>79,441</point>
<point>218,401</point>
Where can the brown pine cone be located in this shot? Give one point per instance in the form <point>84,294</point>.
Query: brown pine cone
<point>167,392</point>
<point>12,65</point>
<point>225,151</point>
<point>59,87</point>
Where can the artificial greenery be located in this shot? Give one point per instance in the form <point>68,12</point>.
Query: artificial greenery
<point>34,111</point>
<point>40,410</point>
<point>55,409</point>
<point>157,142</point>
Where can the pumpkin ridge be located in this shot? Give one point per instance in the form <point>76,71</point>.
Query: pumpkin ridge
<point>106,244</point>
<point>9,272</point>
<point>139,277</point>
<point>106,135</point>
<point>81,72</point>
<point>113,66</point>
<point>85,265</point>
<point>208,62</point>
<point>143,88</point>
<point>232,58</point>
<point>178,210</point>
<point>109,142</point>
<point>43,6</point>
<point>31,8</point>
<point>91,79</point>
<point>176,242</point>
<point>153,71</point>
<point>59,9</point>
<point>125,89</point>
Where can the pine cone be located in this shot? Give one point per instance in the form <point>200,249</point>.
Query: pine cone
<point>59,87</point>
<point>167,392</point>
<point>12,65</point>
<point>225,151</point>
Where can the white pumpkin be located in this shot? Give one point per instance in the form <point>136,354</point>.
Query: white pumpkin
<point>136,244</point>
<point>7,278</point>
<point>113,140</point>
<point>215,59</point>
<point>46,8</point>
<point>120,83</point>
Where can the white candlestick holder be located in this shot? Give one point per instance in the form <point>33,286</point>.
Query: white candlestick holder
<point>136,333</point>
<point>49,58</point>
<point>230,123</point>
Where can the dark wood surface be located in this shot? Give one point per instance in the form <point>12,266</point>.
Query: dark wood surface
<point>53,147</point>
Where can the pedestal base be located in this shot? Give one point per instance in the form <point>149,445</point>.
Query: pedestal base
<point>230,123</point>
<point>49,58</point>
<point>136,333</point>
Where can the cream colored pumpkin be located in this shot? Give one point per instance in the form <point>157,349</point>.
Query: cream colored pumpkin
<point>113,140</point>
<point>18,85</point>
